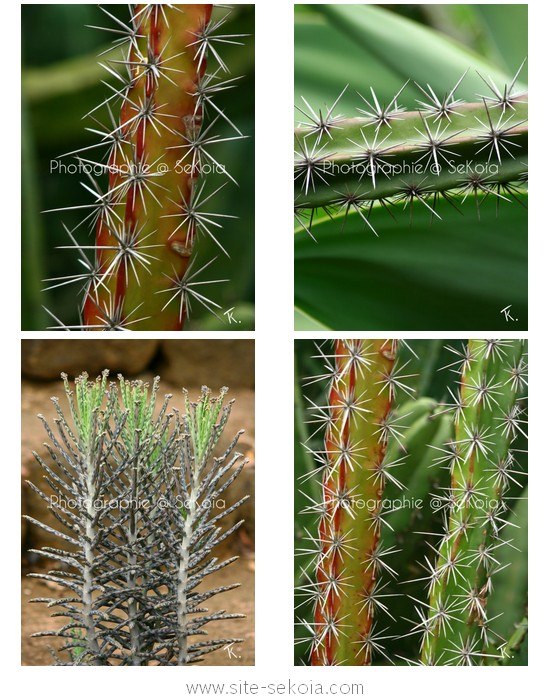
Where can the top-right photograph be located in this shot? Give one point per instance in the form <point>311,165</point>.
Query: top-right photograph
<point>410,167</point>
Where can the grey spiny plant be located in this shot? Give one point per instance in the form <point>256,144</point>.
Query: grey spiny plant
<point>409,507</point>
<point>137,492</point>
<point>446,149</point>
<point>141,271</point>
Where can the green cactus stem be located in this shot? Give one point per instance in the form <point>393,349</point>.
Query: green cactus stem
<point>350,559</point>
<point>392,156</point>
<point>384,476</point>
<point>152,175</point>
<point>488,416</point>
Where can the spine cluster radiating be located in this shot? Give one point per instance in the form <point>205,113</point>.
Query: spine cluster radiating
<point>489,417</point>
<point>413,503</point>
<point>349,554</point>
<point>446,149</point>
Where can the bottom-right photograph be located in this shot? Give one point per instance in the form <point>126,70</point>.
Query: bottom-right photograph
<point>411,508</point>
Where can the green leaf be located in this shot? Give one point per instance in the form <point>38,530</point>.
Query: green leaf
<point>325,60</point>
<point>307,323</point>
<point>454,274</point>
<point>412,50</point>
<point>33,316</point>
<point>365,46</point>
<point>505,27</point>
<point>510,582</point>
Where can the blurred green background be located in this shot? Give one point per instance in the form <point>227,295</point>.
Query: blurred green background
<point>61,82</point>
<point>333,48</point>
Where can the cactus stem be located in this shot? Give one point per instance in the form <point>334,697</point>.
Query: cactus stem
<point>157,150</point>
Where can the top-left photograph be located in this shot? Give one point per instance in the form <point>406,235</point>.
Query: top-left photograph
<point>138,167</point>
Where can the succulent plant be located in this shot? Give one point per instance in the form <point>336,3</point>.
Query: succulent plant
<point>405,173</point>
<point>410,509</point>
<point>137,492</point>
<point>156,129</point>
<point>356,467</point>
<point>489,416</point>
<point>392,156</point>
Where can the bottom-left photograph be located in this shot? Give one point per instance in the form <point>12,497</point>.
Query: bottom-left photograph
<point>138,502</point>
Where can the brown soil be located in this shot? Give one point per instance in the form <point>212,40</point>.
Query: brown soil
<point>36,617</point>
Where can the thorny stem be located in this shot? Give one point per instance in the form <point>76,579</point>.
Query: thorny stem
<point>134,571</point>
<point>348,544</point>
<point>133,606</point>
<point>358,163</point>
<point>183,573</point>
<point>90,465</point>
<point>475,503</point>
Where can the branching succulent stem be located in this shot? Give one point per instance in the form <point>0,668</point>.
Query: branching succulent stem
<point>140,555</point>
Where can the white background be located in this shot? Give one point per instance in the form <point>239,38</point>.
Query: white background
<point>274,407</point>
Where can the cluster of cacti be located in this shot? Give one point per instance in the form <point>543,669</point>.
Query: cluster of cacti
<point>446,149</point>
<point>139,496</point>
<point>142,274</point>
<point>412,502</point>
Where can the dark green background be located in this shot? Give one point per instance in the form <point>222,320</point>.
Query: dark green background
<point>61,83</point>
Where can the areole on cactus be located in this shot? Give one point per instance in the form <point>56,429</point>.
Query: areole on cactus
<point>447,149</point>
<point>488,418</point>
<point>355,450</point>
<point>409,132</point>
<point>142,271</point>
<point>409,504</point>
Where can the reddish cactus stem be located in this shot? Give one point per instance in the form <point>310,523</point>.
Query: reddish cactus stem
<point>168,37</point>
<point>354,451</point>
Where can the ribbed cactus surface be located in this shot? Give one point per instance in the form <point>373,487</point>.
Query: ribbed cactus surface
<point>489,416</point>
<point>446,148</point>
<point>158,126</point>
<point>414,507</point>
